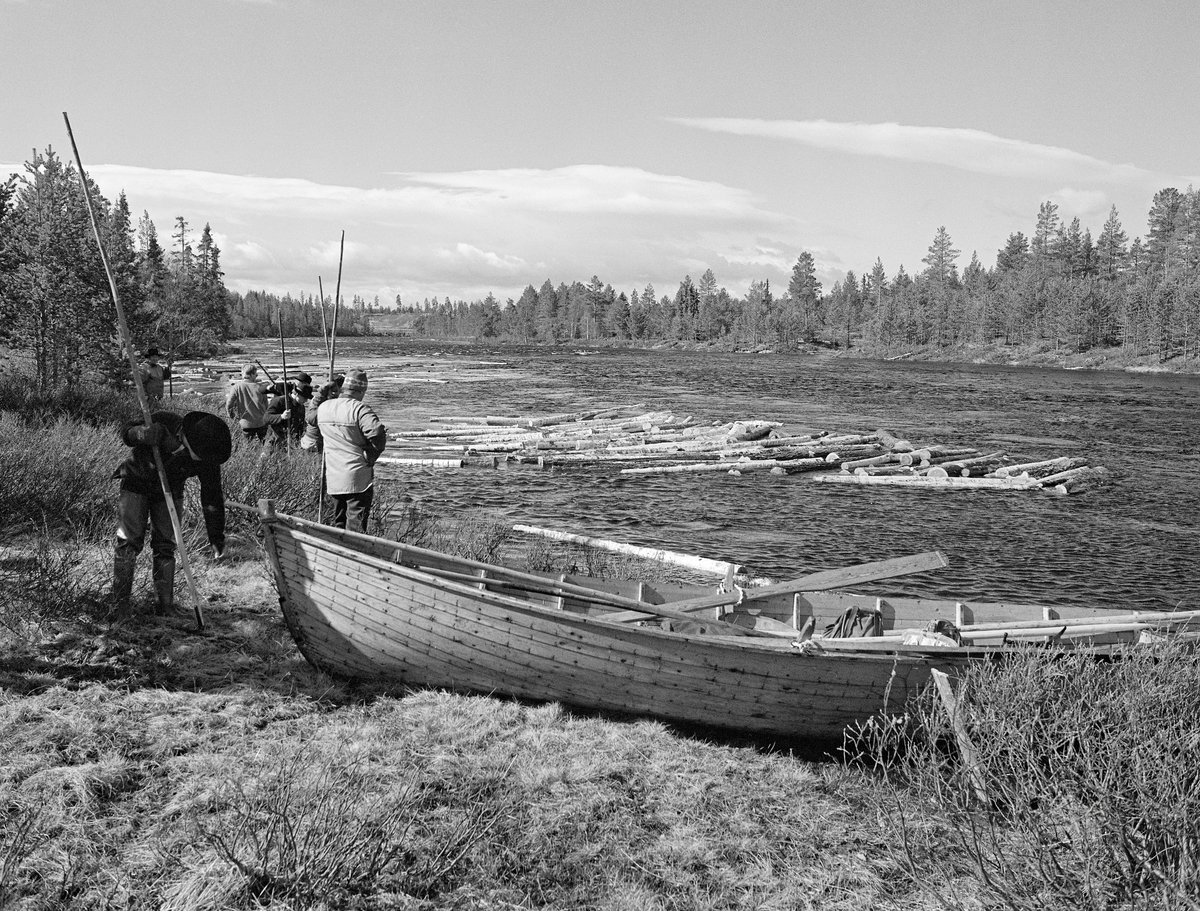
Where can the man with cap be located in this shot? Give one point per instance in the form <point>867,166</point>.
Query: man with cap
<point>290,408</point>
<point>353,440</point>
<point>192,445</point>
<point>153,376</point>
<point>247,404</point>
<point>311,441</point>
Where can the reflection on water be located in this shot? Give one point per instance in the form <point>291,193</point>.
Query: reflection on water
<point>1135,543</point>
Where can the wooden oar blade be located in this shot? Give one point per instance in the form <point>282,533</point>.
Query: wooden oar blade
<point>823,581</point>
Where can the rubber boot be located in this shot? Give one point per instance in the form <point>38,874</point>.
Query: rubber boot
<point>123,569</point>
<point>163,571</point>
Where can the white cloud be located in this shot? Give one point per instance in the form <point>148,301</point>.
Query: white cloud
<point>964,149</point>
<point>464,234</point>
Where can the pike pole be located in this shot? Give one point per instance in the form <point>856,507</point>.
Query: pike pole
<point>123,325</point>
<point>332,350</point>
<point>287,402</point>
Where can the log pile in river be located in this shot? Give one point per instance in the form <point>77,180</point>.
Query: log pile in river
<point>662,442</point>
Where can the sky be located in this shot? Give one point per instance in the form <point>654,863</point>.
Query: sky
<point>472,147</point>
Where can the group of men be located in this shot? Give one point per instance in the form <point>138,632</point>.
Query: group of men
<point>334,422</point>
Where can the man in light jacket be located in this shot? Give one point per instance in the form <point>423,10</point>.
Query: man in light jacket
<point>354,438</point>
<point>247,404</point>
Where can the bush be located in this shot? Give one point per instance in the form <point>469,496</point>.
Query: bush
<point>58,474</point>
<point>1091,768</point>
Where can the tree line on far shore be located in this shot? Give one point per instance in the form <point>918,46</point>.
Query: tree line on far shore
<point>1057,288</point>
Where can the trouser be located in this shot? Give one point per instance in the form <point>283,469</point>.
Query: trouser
<point>255,434</point>
<point>351,510</point>
<point>133,512</point>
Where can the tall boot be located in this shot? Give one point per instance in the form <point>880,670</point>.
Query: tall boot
<point>163,571</point>
<point>124,566</point>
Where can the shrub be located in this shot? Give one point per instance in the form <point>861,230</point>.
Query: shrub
<point>58,474</point>
<point>1091,768</point>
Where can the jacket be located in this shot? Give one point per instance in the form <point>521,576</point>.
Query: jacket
<point>153,379</point>
<point>246,403</point>
<point>354,439</point>
<point>286,416</point>
<point>139,474</point>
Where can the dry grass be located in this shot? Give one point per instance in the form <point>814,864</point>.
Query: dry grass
<point>155,768</point>
<point>1092,777</point>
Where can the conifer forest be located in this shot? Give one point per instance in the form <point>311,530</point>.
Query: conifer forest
<point>1059,288</point>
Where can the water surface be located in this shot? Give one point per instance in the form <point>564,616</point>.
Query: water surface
<point>1134,543</point>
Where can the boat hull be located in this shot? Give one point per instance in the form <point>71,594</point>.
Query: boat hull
<point>357,615</point>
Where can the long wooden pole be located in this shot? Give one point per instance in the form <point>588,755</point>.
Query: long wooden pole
<point>332,350</point>
<point>287,402</point>
<point>137,383</point>
<point>324,330</point>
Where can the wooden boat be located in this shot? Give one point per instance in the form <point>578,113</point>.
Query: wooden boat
<point>368,608</point>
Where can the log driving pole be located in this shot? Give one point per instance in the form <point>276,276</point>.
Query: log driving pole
<point>287,403</point>
<point>332,350</point>
<point>123,325</point>
<point>324,329</point>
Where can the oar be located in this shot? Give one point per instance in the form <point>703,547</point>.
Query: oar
<point>123,325</point>
<point>815,582</point>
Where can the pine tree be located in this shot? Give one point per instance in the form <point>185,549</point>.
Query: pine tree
<point>941,258</point>
<point>1046,230</point>
<point>1111,252</point>
<point>1163,210</point>
<point>805,290</point>
<point>1015,253</point>
<point>62,308</point>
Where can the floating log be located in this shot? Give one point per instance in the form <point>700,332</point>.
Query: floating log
<point>421,463</point>
<point>887,458</point>
<point>885,470</point>
<point>926,480</point>
<point>1043,469</point>
<point>957,466</point>
<point>1076,480</point>
<point>700,564</point>
<point>933,454</point>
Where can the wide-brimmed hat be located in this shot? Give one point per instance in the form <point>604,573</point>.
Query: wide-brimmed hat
<point>152,352</point>
<point>302,383</point>
<point>207,436</point>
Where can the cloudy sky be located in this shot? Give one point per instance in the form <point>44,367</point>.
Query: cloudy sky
<point>468,147</point>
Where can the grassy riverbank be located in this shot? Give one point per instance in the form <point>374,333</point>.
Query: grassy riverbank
<point>148,766</point>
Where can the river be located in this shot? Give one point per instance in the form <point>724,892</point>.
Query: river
<point>1134,543</point>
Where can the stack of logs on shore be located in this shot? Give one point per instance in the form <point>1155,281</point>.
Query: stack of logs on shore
<point>665,443</point>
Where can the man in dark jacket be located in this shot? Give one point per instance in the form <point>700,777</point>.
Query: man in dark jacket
<point>192,445</point>
<point>287,429</point>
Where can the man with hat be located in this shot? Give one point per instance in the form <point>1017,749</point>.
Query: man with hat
<point>290,407</point>
<point>247,404</point>
<point>192,445</point>
<point>153,376</point>
<point>353,440</point>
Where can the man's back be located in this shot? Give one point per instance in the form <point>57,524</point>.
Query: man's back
<point>354,438</point>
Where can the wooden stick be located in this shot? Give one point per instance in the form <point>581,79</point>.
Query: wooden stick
<point>287,404</point>
<point>324,330</point>
<point>700,564</point>
<point>176,525</point>
<point>332,350</point>
<point>965,746</point>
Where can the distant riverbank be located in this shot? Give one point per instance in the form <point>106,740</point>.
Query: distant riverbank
<point>998,354</point>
